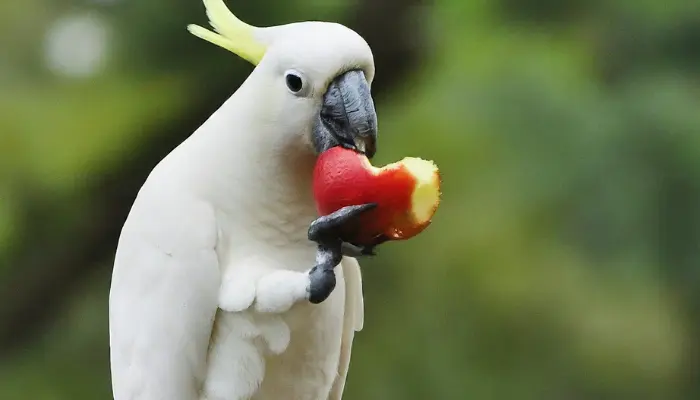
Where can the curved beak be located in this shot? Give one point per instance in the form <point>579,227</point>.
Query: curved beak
<point>347,116</point>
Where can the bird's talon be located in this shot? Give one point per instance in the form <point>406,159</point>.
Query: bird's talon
<point>322,276</point>
<point>322,283</point>
<point>325,229</point>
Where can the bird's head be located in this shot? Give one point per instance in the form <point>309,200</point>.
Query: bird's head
<point>314,78</point>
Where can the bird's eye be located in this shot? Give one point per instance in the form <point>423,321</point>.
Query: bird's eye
<point>294,82</point>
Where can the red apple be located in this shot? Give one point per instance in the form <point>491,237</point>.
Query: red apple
<point>407,194</point>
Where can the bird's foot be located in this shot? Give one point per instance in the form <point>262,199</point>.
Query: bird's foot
<point>322,275</point>
<point>278,291</point>
<point>326,231</point>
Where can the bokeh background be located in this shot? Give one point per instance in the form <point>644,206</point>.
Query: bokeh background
<point>564,262</point>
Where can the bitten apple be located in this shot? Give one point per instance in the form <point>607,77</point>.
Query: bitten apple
<point>407,194</point>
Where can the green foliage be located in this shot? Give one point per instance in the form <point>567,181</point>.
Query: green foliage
<point>560,262</point>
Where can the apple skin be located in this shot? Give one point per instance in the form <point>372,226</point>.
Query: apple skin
<point>407,194</point>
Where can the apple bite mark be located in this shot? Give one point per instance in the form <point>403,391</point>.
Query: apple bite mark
<point>426,194</point>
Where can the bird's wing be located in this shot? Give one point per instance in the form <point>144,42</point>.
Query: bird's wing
<point>162,302</point>
<point>353,321</point>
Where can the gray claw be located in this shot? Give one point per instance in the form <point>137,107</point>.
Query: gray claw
<point>322,284</point>
<point>322,275</point>
<point>325,229</point>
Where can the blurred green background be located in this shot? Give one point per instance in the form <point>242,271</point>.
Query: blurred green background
<point>562,264</point>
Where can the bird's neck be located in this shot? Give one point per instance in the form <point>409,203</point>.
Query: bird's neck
<point>261,173</point>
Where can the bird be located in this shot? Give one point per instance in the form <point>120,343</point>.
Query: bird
<point>227,284</point>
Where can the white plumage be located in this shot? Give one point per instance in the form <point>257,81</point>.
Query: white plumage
<point>210,285</point>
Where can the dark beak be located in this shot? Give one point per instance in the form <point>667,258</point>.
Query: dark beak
<point>347,117</point>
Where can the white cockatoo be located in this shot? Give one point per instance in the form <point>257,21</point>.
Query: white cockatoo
<point>226,283</point>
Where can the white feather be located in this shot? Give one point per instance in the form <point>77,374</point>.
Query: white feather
<point>353,321</point>
<point>209,282</point>
<point>163,298</point>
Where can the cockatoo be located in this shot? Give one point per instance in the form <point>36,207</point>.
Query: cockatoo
<point>226,283</point>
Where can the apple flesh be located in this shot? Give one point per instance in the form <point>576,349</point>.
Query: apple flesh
<point>407,194</point>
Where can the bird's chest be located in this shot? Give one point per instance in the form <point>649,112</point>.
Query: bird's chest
<point>263,240</point>
<point>306,344</point>
<point>296,353</point>
<point>309,365</point>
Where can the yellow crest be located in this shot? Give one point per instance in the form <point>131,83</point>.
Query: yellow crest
<point>231,33</point>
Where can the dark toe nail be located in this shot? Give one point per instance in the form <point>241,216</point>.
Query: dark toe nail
<point>322,284</point>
